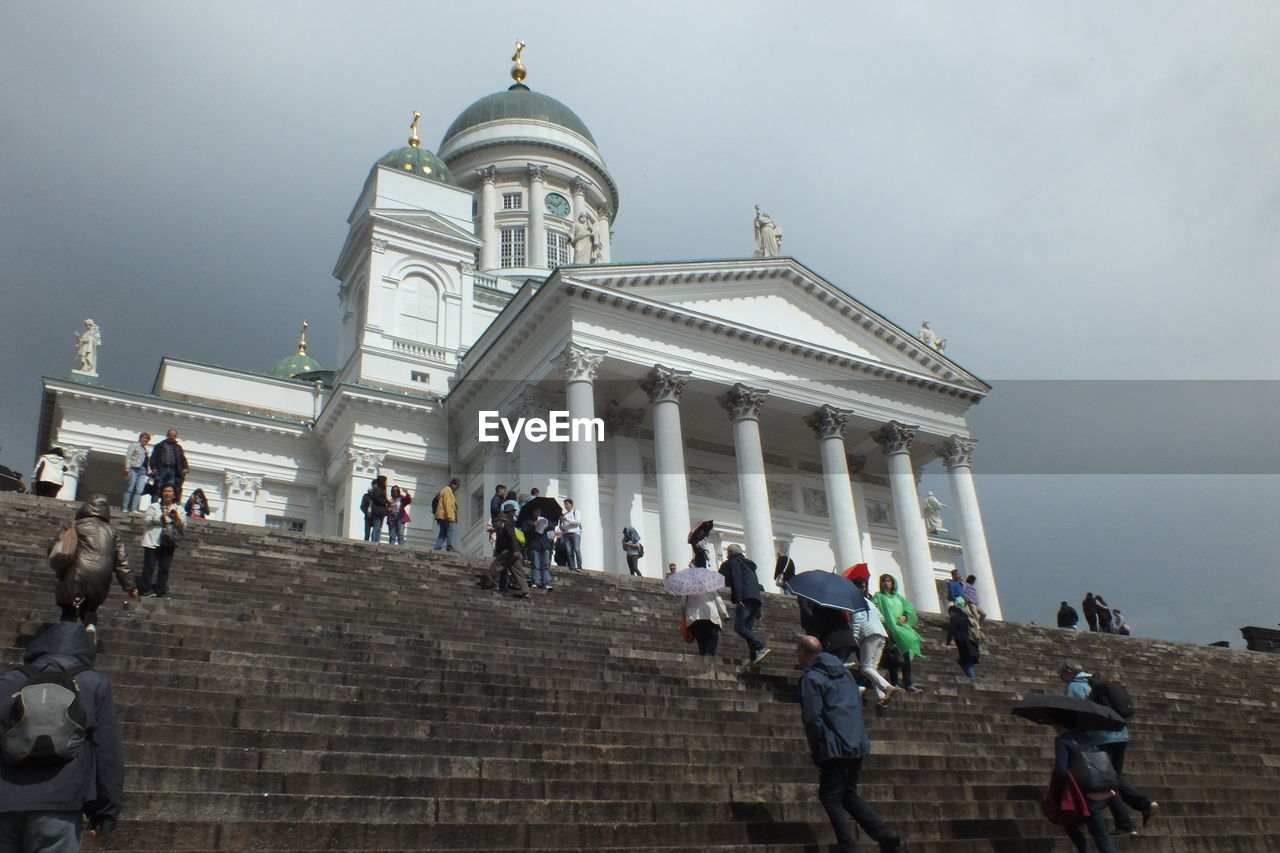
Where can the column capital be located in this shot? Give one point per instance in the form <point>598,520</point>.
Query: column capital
<point>742,402</point>
<point>365,461</point>
<point>957,452</point>
<point>577,362</point>
<point>895,437</point>
<point>621,421</point>
<point>243,486</point>
<point>827,422</point>
<point>74,458</point>
<point>665,384</point>
<point>537,171</point>
<point>605,214</point>
<point>578,186</point>
<point>857,464</point>
<point>488,174</point>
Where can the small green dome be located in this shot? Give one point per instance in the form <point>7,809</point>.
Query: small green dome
<point>420,162</point>
<point>290,366</point>
<point>517,102</point>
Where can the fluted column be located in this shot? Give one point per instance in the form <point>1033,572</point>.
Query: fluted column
<point>664,386</point>
<point>579,366</point>
<point>895,440</point>
<point>579,189</point>
<point>743,407</point>
<point>365,464</point>
<point>828,425</point>
<point>622,426</point>
<point>958,458</point>
<point>75,459</point>
<point>606,236</point>
<point>537,218</point>
<point>488,210</point>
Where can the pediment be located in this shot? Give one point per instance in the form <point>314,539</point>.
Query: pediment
<point>781,298</point>
<point>427,221</point>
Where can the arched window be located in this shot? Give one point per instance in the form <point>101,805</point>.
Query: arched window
<point>419,310</point>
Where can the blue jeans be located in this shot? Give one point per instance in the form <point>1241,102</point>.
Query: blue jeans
<point>541,562</point>
<point>169,477</point>
<point>572,546</point>
<point>40,832</point>
<point>744,620</point>
<point>446,535</point>
<point>395,530</point>
<point>133,491</point>
<point>375,530</point>
<point>1097,826</point>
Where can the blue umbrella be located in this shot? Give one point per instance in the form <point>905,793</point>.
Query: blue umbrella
<point>693,581</point>
<point>827,589</point>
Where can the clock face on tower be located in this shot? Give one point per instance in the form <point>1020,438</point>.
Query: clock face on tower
<point>558,205</point>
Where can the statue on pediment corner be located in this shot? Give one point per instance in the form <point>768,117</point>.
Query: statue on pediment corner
<point>768,235</point>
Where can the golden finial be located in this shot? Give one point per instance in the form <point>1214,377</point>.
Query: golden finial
<point>413,129</point>
<point>302,339</point>
<point>518,71</point>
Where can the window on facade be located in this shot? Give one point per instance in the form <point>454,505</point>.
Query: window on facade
<point>557,249</point>
<point>279,522</point>
<point>476,257</point>
<point>419,310</point>
<point>512,201</point>
<point>512,247</point>
<point>419,376</point>
<point>475,207</point>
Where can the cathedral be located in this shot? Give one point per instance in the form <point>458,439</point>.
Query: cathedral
<point>477,287</point>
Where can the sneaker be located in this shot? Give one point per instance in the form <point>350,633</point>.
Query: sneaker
<point>852,664</point>
<point>891,845</point>
<point>913,689</point>
<point>760,655</point>
<point>149,594</point>
<point>1150,814</point>
<point>888,694</point>
<point>91,629</point>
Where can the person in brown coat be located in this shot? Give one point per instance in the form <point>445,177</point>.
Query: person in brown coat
<point>83,586</point>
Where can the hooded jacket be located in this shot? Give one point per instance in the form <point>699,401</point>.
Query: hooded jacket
<point>740,576</point>
<point>893,607</point>
<point>99,554</point>
<point>93,781</point>
<point>832,712</point>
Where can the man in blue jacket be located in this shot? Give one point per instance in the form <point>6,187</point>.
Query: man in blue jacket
<point>41,807</point>
<point>832,714</point>
<point>745,592</point>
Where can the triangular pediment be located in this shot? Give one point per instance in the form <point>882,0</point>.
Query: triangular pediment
<point>782,298</point>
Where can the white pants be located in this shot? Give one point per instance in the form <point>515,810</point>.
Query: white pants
<point>869,651</point>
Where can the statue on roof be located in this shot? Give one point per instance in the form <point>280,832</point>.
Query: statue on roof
<point>932,512</point>
<point>768,235</point>
<point>87,343</point>
<point>600,238</point>
<point>930,337</point>
<point>583,237</point>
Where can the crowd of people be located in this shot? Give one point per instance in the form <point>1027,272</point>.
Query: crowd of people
<point>1098,615</point>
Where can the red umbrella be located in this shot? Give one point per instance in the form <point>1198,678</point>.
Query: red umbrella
<point>858,570</point>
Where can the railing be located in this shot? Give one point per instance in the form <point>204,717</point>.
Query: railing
<point>426,352</point>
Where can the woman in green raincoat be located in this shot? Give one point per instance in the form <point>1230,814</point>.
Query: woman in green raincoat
<point>904,643</point>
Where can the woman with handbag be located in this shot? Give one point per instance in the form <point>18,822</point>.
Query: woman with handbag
<point>703,619</point>
<point>160,538</point>
<point>632,549</point>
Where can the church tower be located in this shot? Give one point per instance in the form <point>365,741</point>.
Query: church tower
<point>543,195</point>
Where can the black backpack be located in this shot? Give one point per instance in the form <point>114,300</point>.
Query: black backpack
<point>1092,769</point>
<point>47,722</point>
<point>1111,694</point>
<point>435,504</point>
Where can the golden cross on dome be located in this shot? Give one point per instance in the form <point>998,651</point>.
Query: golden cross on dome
<point>302,339</point>
<point>413,129</point>
<point>518,70</point>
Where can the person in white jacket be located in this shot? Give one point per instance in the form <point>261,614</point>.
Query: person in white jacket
<point>47,479</point>
<point>704,615</point>
<point>571,533</point>
<point>868,630</point>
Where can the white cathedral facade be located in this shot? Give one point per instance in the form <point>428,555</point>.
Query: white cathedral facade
<point>753,392</point>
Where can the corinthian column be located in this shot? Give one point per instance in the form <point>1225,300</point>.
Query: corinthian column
<point>488,210</point>
<point>828,425</point>
<point>958,458</point>
<point>664,386</point>
<point>743,407</point>
<point>537,222</point>
<point>579,366</point>
<point>895,440</point>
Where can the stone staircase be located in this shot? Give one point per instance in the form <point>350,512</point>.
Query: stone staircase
<point>303,694</point>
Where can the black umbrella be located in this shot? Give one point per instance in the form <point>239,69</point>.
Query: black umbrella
<point>1086,715</point>
<point>702,531</point>
<point>827,589</point>
<point>551,510</point>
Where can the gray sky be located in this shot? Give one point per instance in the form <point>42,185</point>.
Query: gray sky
<point>1078,191</point>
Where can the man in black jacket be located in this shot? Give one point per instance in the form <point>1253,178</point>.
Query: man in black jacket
<point>41,807</point>
<point>496,502</point>
<point>83,586</point>
<point>169,464</point>
<point>837,735</point>
<point>747,595</point>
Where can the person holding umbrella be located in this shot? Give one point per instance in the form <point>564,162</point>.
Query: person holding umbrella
<point>698,538</point>
<point>740,573</point>
<point>703,607</point>
<point>900,618</point>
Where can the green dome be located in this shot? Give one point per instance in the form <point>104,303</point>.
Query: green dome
<point>420,162</point>
<point>517,102</point>
<point>290,366</point>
